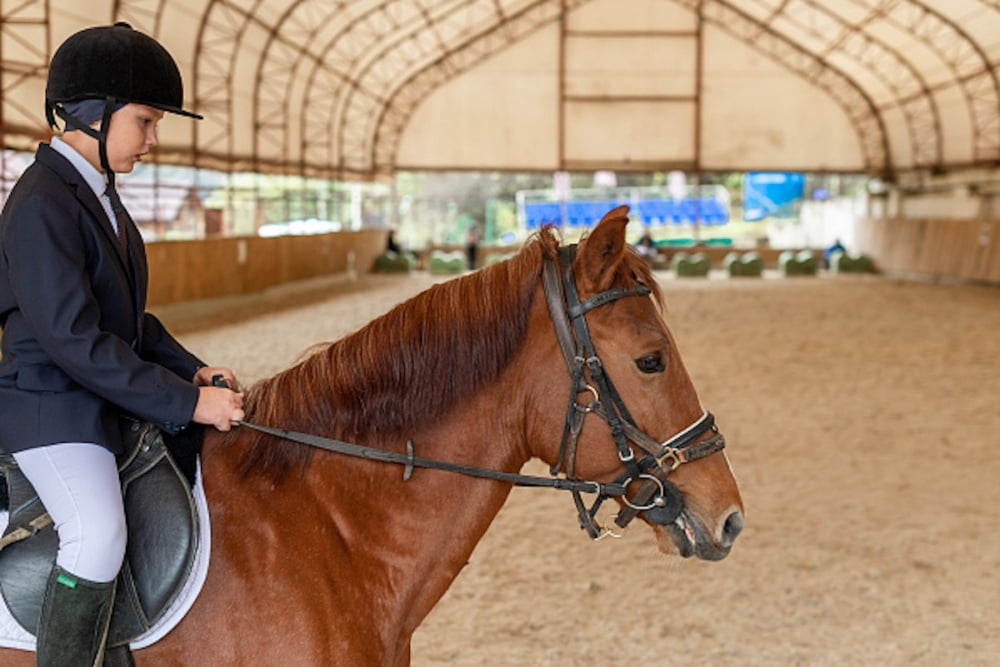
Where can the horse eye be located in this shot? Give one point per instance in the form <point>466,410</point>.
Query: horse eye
<point>651,363</point>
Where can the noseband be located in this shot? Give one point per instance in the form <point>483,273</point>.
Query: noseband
<point>657,498</point>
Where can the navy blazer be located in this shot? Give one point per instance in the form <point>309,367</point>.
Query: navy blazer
<point>78,347</point>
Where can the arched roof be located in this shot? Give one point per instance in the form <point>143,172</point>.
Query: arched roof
<point>361,88</point>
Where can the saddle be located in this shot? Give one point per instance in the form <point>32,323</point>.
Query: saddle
<point>162,525</point>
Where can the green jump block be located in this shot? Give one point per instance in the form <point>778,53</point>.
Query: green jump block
<point>842,262</point>
<point>800,263</point>
<point>745,264</point>
<point>694,265</point>
<point>391,262</point>
<point>442,262</point>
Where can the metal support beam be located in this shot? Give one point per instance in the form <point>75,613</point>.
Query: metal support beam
<point>24,54</point>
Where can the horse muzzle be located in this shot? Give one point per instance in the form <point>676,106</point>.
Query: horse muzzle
<point>690,536</point>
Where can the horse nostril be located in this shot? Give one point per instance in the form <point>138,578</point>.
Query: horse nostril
<point>732,528</point>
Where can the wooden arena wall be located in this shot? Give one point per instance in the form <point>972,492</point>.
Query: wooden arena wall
<point>960,249</point>
<point>181,271</point>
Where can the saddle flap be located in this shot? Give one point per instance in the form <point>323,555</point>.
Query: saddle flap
<point>24,571</point>
<point>162,535</point>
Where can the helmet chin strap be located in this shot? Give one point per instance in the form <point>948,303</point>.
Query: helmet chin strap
<point>102,145</point>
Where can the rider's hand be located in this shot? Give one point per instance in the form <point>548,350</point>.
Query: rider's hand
<point>218,407</point>
<point>203,377</point>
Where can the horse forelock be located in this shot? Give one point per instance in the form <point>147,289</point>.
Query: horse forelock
<point>635,269</point>
<point>401,370</point>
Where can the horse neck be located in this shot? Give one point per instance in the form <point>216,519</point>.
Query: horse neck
<point>437,517</point>
<point>416,534</point>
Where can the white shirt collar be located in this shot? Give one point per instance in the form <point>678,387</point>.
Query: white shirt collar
<point>94,178</point>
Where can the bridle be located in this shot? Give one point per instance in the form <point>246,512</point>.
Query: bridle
<point>657,498</point>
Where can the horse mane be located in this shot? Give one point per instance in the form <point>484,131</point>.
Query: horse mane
<point>407,367</point>
<point>402,369</point>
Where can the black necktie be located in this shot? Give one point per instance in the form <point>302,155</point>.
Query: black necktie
<point>120,216</point>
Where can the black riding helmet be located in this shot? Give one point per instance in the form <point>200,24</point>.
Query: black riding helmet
<point>118,65</point>
<point>114,61</point>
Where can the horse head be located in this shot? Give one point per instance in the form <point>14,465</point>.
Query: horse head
<point>633,415</point>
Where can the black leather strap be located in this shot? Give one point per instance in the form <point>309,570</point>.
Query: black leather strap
<point>410,461</point>
<point>606,296</point>
<point>552,284</point>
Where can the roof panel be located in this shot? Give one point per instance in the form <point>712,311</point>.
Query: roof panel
<point>853,12</point>
<point>515,123</point>
<point>896,130</point>
<point>874,83</point>
<point>761,10</point>
<point>959,150</point>
<point>804,35</point>
<point>646,66</point>
<point>794,120</point>
<point>652,133</point>
<point>819,20</point>
<point>608,16</point>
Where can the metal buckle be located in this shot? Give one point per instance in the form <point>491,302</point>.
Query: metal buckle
<point>593,390</point>
<point>607,528</point>
<point>676,457</point>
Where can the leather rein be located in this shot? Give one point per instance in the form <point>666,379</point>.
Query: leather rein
<point>574,339</point>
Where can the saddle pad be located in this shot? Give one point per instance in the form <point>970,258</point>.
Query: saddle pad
<point>12,635</point>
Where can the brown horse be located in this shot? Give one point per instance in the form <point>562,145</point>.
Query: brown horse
<point>324,559</point>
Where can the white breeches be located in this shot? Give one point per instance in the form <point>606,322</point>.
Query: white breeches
<point>78,484</point>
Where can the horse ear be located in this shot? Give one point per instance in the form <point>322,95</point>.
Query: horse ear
<point>602,250</point>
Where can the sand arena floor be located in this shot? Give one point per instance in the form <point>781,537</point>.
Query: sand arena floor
<point>863,422</point>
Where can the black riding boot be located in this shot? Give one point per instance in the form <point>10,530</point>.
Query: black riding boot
<point>73,624</point>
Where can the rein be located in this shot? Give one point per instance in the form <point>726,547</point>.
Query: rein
<point>409,461</point>
<point>659,499</point>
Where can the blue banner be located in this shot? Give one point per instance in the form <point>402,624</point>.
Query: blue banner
<point>771,194</point>
<point>705,210</point>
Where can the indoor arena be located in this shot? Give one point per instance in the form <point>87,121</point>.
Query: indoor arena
<point>377,333</point>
